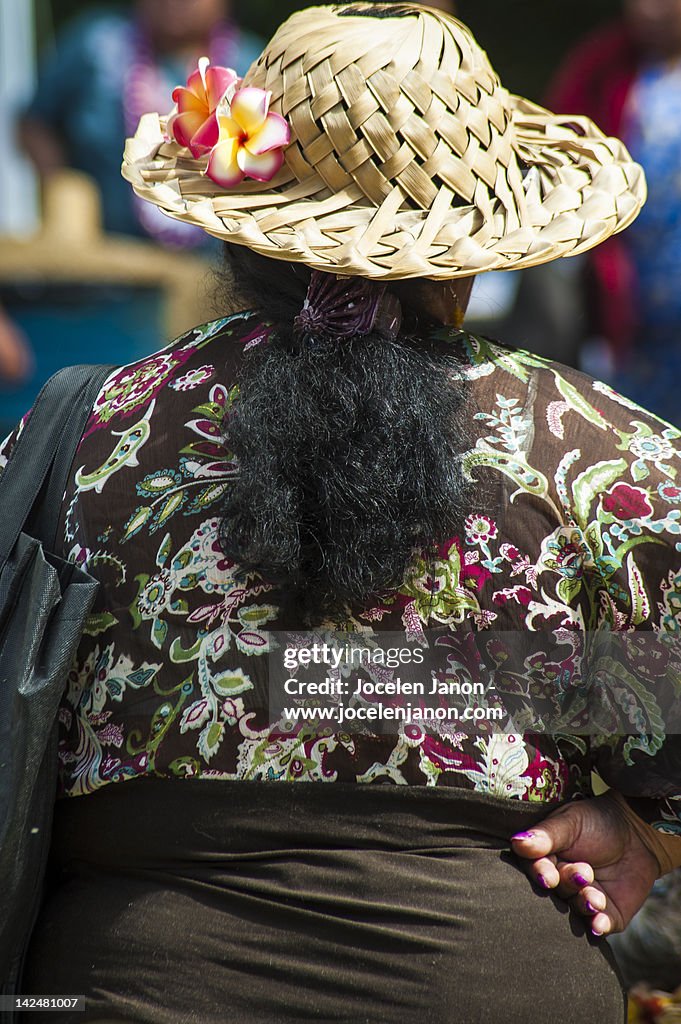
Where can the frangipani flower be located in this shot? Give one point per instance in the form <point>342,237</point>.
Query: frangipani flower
<point>195,123</point>
<point>250,140</point>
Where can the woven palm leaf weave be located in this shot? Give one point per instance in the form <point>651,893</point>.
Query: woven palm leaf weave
<point>407,157</point>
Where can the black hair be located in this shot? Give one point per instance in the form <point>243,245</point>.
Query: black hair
<point>348,451</point>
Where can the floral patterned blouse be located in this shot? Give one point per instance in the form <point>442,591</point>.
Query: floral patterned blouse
<point>577,523</point>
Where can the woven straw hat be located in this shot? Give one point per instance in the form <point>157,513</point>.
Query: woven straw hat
<point>407,157</point>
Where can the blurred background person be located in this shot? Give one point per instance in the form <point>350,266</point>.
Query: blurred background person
<point>627,78</point>
<point>106,68</point>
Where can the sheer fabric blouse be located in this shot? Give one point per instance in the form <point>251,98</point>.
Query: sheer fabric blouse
<point>574,527</point>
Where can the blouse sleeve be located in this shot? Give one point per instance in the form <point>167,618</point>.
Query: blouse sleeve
<point>628,504</point>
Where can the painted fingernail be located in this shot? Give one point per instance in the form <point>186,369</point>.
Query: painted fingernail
<point>594,931</point>
<point>590,907</point>
<point>523,835</point>
<point>543,882</point>
<point>580,880</point>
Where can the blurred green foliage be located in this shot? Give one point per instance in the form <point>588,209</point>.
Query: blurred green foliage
<point>525,39</point>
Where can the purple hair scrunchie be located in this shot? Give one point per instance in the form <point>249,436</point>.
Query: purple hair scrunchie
<point>347,307</point>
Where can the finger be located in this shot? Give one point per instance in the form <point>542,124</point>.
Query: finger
<point>533,844</point>
<point>540,867</point>
<point>543,871</point>
<point>574,876</point>
<point>590,901</point>
<point>557,832</point>
<point>600,925</point>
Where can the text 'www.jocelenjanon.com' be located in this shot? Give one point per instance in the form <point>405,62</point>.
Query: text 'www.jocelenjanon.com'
<point>373,685</point>
<point>554,680</point>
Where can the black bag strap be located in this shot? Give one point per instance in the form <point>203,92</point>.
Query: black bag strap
<point>50,509</point>
<point>47,443</point>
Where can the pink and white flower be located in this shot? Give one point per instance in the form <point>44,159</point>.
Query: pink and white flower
<point>192,378</point>
<point>480,529</point>
<point>234,127</point>
<point>251,139</point>
<point>195,124</point>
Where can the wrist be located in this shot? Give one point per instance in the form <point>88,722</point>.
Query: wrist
<point>664,848</point>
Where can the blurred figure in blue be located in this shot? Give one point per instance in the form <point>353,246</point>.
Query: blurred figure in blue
<point>107,68</point>
<point>627,78</point>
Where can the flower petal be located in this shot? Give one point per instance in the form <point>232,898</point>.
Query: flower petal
<point>249,108</point>
<point>185,126</point>
<point>223,168</point>
<point>203,64</point>
<point>187,100</point>
<point>229,129</point>
<point>205,137</point>
<point>275,132</point>
<point>218,81</point>
<point>262,167</point>
<point>195,85</point>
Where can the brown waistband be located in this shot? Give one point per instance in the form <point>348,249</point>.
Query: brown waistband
<point>153,819</point>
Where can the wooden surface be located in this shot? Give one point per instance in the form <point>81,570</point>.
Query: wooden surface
<point>71,248</point>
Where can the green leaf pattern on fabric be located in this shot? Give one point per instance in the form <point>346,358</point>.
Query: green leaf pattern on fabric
<point>575,531</point>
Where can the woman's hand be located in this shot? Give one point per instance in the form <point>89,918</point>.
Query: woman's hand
<point>591,853</point>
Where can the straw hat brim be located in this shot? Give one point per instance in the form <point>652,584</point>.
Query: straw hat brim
<point>579,188</point>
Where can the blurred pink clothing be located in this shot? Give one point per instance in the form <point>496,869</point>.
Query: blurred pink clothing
<point>596,79</point>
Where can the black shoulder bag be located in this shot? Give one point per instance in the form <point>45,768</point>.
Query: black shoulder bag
<point>44,601</point>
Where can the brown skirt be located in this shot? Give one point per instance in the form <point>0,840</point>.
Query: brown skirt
<point>176,901</point>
